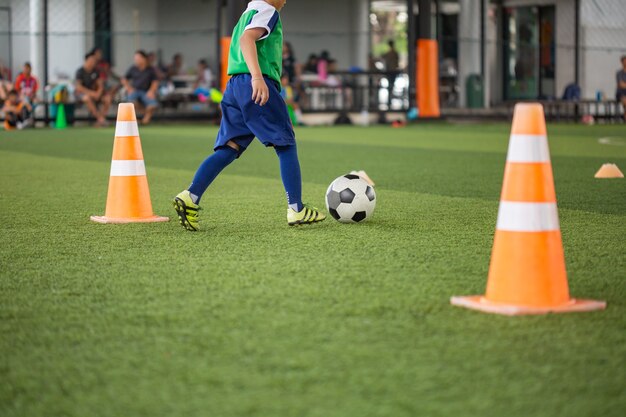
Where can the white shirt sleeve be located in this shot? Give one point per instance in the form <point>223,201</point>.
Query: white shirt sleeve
<point>265,18</point>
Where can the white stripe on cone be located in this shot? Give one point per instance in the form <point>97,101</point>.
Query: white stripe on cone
<point>121,168</point>
<point>527,217</point>
<point>125,129</point>
<point>528,148</point>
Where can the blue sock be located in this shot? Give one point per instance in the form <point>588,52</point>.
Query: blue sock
<point>290,174</point>
<point>210,169</point>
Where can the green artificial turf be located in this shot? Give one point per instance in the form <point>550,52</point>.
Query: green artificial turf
<point>252,318</point>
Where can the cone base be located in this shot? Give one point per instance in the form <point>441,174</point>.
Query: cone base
<point>609,171</point>
<point>480,303</point>
<point>110,220</point>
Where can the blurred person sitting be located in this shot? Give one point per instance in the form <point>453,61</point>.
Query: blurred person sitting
<point>290,67</point>
<point>620,94</point>
<point>288,94</point>
<point>204,81</point>
<point>332,79</point>
<point>26,84</point>
<point>322,65</point>
<point>5,82</point>
<point>4,91</point>
<point>17,112</point>
<point>311,64</point>
<point>175,67</point>
<point>166,87</point>
<point>5,87</point>
<point>141,84</point>
<point>111,81</point>
<point>5,72</point>
<point>90,90</point>
<point>155,63</point>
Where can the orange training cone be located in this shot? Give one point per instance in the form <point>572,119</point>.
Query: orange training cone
<point>527,272</point>
<point>609,171</point>
<point>128,200</point>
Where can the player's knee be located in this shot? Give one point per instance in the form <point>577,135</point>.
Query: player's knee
<point>233,145</point>
<point>284,149</point>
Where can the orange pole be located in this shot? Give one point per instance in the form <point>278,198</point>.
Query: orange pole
<point>224,77</point>
<point>427,78</point>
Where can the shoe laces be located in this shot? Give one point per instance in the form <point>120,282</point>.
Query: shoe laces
<point>310,207</point>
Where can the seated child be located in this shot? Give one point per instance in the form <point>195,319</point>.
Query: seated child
<point>17,112</point>
<point>289,96</point>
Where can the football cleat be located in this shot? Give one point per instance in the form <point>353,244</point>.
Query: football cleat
<point>307,215</point>
<point>187,211</point>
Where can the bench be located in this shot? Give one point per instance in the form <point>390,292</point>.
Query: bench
<point>607,111</point>
<point>180,103</point>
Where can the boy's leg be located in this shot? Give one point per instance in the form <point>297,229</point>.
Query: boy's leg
<point>272,125</point>
<point>11,120</point>
<point>151,105</point>
<point>106,104</point>
<point>291,175</point>
<point>210,169</point>
<point>24,114</point>
<point>91,106</point>
<point>232,139</point>
<point>297,213</point>
<point>147,118</point>
<point>186,202</point>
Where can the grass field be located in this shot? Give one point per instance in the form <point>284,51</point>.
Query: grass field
<point>252,318</point>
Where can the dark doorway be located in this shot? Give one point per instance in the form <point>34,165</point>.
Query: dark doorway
<point>529,52</point>
<point>102,27</point>
<point>547,52</point>
<point>448,36</point>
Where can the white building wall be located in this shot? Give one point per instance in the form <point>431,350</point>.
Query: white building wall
<point>493,57</point>
<point>360,23</point>
<point>314,26</point>
<point>21,39</point>
<point>68,39</point>
<point>36,26</point>
<point>341,27</point>
<point>566,42</point>
<point>603,37</point>
<point>134,23</point>
<point>68,26</point>
<point>469,43</point>
<point>4,33</point>
<point>189,30</point>
<point>166,26</point>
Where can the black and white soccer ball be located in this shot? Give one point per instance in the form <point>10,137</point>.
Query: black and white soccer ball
<point>350,199</point>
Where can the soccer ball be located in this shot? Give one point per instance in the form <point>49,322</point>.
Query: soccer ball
<point>350,199</point>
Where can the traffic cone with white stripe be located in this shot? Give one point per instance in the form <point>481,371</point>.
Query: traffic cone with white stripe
<point>128,200</point>
<point>527,272</point>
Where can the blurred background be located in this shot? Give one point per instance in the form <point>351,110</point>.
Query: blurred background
<point>350,56</point>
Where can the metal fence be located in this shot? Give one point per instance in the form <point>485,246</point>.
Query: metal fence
<point>515,53</point>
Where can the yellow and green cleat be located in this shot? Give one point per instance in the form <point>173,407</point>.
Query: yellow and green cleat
<point>307,215</point>
<point>187,211</point>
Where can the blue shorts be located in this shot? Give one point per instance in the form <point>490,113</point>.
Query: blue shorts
<point>142,97</point>
<point>243,119</point>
